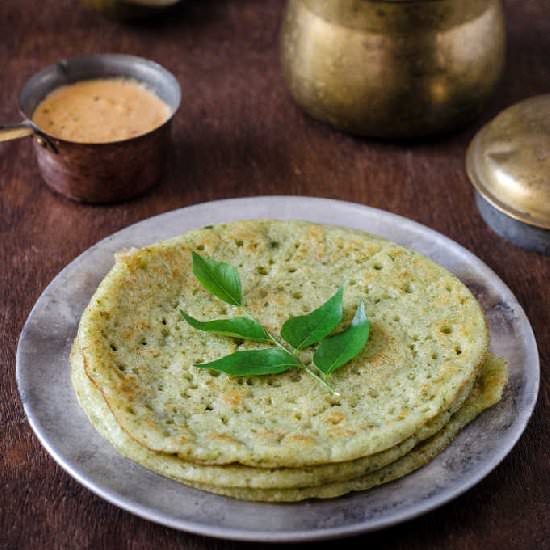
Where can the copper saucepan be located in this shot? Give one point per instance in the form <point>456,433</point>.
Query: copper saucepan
<point>100,172</point>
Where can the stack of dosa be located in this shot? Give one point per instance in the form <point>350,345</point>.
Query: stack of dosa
<point>424,374</point>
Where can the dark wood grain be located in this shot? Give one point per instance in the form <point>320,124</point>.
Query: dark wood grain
<point>238,134</point>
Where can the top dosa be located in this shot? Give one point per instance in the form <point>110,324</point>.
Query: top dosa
<point>428,341</point>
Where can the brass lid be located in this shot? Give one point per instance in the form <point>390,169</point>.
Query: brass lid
<point>508,161</point>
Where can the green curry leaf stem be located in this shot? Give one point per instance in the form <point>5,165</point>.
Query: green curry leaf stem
<point>310,369</point>
<point>223,281</point>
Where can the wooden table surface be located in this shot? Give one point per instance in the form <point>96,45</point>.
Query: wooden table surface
<point>239,134</point>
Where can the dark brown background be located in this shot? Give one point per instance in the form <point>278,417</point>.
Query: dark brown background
<point>238,134</point>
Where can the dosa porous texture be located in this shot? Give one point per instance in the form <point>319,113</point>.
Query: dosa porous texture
<point>428,340</point>
<point>293,484</point>
<point>279,437</point>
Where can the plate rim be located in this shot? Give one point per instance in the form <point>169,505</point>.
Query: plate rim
<point>237,534</point>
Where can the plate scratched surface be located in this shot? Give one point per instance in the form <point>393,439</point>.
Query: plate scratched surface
<point>46,392</point>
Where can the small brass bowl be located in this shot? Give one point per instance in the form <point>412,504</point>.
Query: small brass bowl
<point>98,172</point>
<point>508,163</point>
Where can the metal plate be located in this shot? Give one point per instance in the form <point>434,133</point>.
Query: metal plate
<point>49,401</point>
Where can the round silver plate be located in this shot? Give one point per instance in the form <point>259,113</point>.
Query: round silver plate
<point>49,401</point>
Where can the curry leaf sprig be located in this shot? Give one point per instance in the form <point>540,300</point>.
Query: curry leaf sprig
<point>297,333</point>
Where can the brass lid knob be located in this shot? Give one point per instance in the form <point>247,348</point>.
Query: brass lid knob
<point>508,161</point>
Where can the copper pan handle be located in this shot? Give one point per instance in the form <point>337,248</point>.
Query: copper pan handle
<point>16,131</point>
<point>23,129</point>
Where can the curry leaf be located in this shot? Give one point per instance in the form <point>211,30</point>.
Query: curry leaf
<point>222,280</point>
<point>305,330</point>
<point>337,350</point>
<point>254,362</point>
<point>237,327</point>
<point>219,278</point>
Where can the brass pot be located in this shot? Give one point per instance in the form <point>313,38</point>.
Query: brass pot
<point>393,68</point>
